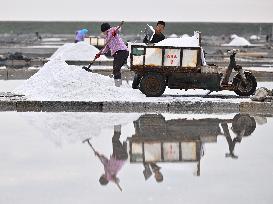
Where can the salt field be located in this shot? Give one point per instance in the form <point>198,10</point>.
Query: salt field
<point>109,102</point>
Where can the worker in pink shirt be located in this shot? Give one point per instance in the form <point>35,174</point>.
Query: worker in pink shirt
<point>118,50</point>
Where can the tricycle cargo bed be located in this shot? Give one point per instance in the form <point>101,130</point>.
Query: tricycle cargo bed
<point>165,58</point>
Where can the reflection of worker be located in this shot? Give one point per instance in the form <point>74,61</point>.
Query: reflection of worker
<point>113,165</point>
<point>158,36</point>
<point>80,35</point>
<point>156,170</point>
<point>231,143</point>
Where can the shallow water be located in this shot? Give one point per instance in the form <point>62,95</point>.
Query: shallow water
<point>43,159</point>
<point>10,85</point>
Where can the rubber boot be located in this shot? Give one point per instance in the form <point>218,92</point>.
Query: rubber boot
<point>118,82</point>
<point>226,77</point>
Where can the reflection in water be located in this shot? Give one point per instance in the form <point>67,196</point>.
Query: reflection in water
<point>35,170</point>
<point>181,140</point>
<point>113,165</point>
<point>156,170</point>
<point>157,140</point>
<point>68,127</point>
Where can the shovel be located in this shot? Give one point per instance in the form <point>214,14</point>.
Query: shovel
<point>92,62</point>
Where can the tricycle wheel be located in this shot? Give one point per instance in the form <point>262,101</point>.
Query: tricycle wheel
<point>245,89</point>
<point>243,124</point>
<point>153,84</point>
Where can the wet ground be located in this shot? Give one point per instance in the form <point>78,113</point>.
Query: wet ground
<point>199,158</point>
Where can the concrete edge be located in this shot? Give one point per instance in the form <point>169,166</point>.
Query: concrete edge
<point>58,106</point>
<point>116,106</point>
<point>7,106</point>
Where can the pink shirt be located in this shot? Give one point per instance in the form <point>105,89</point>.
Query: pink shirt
<point>115,43</point>
<point>112,167</point>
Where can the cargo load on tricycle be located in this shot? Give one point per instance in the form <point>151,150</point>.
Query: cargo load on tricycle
<point>180,64</point>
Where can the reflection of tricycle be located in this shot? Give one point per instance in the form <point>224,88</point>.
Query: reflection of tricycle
<point>156,67</point>
<point>179,140</point>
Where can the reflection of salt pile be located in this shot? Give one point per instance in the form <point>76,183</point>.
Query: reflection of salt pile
<point>238,41</point>
<point>77,51</point>
<point>58,81</point>
<point>74,127</point>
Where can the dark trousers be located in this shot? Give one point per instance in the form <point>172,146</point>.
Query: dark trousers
<point>120,58</point>
<point>119,150</point>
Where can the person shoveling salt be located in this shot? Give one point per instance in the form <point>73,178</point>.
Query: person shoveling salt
<point>118,50</point>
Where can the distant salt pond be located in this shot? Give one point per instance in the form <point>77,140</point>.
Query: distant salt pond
<point>43,158</point>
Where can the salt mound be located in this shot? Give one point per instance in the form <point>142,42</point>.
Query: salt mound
<point>58,81</point>
<point>254,37</point>
<point>185,41</point>
<point>184,35</point>
<point>238,41</point>
<point>233,36</point>
<point>80,51</point>
<point>173,35</point>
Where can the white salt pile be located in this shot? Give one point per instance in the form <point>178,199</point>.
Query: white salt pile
<point>58,81</point>
<point>77,51</point>
<point>238,41</point>
<point>185,41</point>
<point>233,36</point>
<point>173,35</point>
<point>184,35</point>
<point>254,37</point>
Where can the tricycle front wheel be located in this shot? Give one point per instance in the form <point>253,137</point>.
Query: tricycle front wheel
<point>242,88</point>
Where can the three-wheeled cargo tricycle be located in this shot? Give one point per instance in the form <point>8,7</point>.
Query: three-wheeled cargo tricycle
<point>156,67</point>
